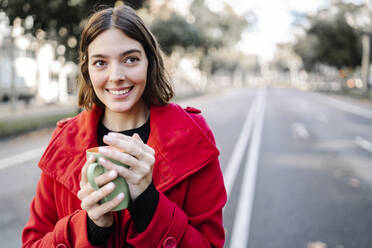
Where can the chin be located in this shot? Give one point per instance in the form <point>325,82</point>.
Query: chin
<point>119,109</point>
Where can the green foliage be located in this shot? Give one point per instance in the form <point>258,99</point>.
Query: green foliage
<point>175,31</point>
<point>61,20</point>
<point>205,29</point>
<point>226,60</point>
<point>218,30</point>
<point>22,125</point>
<point>330,39</point>
<point>221,29</point>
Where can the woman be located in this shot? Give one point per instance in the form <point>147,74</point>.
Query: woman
<point>175,182</point>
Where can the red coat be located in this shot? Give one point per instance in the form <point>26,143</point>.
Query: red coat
<point>186,173</point>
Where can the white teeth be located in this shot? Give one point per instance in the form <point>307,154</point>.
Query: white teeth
<point>119,92</point>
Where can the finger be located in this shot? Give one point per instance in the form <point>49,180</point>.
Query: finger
<point>84,177</point>
<point>106,207</point>
<point>93,198</point>
<point>121,170</point>
<point>122,157</point>
<point>133,145</point>
<point>145,148</point>
<point>100,180</point>
<point>115,137</point>
<point>111,137</point>
<point>137,137</point>
<point>106,177</point>
<point>119,136</point>
<point>85,191</point>
<point>142,171</point>
<point>148,158</point>
<point>140,153</point>
<point>150,150</point>
<point>134,175</point>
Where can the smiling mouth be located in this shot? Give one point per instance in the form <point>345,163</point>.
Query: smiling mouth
<point>120,92</point>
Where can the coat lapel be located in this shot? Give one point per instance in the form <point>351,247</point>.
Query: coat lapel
<point>181,146</point>
<point>65,155</point>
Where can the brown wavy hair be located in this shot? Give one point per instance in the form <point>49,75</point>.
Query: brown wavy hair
<point>158,89</point>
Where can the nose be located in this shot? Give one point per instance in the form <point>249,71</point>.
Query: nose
<point>117,73</point>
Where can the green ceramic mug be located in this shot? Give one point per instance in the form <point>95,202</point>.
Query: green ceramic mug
<point>121,186</point>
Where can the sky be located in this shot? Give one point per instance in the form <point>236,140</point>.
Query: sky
<point>273,25</point>
<point>274,21</point>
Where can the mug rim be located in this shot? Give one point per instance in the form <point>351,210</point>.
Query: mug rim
<point>95,149</point>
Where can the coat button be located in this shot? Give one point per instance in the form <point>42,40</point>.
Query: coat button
<point>170,242</point>
<point>61,246</point>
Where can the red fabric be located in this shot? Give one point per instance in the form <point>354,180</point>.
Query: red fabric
<point>186,173</point>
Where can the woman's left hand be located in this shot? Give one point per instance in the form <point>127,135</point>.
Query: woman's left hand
<point>138,156</point>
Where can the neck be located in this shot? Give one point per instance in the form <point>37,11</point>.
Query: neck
<point>127,120</point>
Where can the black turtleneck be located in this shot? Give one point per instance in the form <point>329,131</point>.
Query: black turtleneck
<point>143,131</point>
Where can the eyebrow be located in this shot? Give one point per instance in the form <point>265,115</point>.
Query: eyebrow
<point>121,55</point>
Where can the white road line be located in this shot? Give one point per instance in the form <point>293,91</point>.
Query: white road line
<point>240,231</point>
<point>299,130</point>
<point>21,158</point>
<point>232,168</point>
<point>347,107</point>
<point>323,118</point>
<point>363,143</point>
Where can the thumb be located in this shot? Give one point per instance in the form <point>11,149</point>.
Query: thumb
<point>84,177</point>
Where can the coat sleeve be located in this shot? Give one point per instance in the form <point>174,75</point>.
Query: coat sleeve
<point>197,224</point>
<point>45,228</point>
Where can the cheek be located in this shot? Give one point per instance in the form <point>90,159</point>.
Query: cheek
<point>139,75</point>
<point>96,78</point>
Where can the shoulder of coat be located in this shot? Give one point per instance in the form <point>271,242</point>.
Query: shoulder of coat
<point>193,110</point>
<point>63,122</point>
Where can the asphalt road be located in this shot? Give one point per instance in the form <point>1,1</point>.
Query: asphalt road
<point>297,166</point>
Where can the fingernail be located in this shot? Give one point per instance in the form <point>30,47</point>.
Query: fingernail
<point>120,196</point>
<point>110,185</point>
<point>107,138</point>
<point>112,173</point>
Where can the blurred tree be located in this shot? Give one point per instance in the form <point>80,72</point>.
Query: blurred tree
<point>202,32</point>
<point>218,30</point>
<point>175,31</point>
<point>329,39</point>
<point>57,20</point>
<point>203,28</point>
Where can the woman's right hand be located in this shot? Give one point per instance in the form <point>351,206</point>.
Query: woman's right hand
<point>101,215</point>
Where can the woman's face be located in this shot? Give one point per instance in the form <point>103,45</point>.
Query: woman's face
<point>118,70</point>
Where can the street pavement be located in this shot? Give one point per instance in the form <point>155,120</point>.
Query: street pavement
<point>297,166</point>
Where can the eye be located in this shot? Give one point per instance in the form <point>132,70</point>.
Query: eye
<point>99,63</point>
<point>131,60</point>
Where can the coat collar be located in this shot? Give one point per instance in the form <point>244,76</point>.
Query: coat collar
<point>181,146</point>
